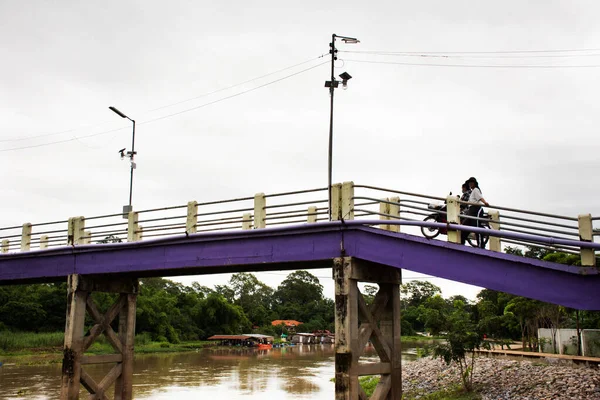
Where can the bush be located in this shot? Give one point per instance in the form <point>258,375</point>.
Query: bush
<point>142,339</point>
<point>368,383</point>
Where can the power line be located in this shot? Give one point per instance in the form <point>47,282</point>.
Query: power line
<point>232,86</point>
<point>234,95</point>
<point>165,116</point>
<point>467,56</point>
<point>474,65</point>
<point>482,52</point>
<point>167,105</point>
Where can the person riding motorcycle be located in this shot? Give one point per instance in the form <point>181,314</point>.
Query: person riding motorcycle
<point>474,210</point>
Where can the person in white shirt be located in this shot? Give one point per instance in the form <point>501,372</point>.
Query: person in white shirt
<point>474,211</point>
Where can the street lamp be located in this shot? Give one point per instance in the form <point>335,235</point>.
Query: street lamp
<point>131,154</point>
<point>332,84</point>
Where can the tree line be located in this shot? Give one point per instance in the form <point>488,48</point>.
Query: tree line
<point>173,312</point>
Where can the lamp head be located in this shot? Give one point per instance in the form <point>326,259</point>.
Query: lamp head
<point>345,78</point>
<point>119,113</point>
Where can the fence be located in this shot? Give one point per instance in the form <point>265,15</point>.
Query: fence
<point>564,341</point>
<point>393,210</point>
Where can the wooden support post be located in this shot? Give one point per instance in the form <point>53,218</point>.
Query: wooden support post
<point>133,228</point>
<point>247,221</point>
<point>336,202</point>
<point>346,330</point>
<point>73,347</point>
<point>79,299</point>
<point>453,217</point>
<point>384,212</point>
<point>312,215</point>
<point>586,233</point>
<point>396,345</point>
<point>26,237</point>
<point>495,243</point>
<point>260,211</point>
<point>379,323</point>
<point>192,217</point>
<point>394,213</point>
<point>5,245</point>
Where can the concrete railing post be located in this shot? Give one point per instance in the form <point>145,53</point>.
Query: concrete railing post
<point>260,211</point>
<point>247,221</point>
<point>192,217</point>
<point>133,227</point>
<point>347,200</point>
<point>384,212</point>
<point>336,201</point>
<point>495,243</point>
<point>43,242</point>
<point>5,245</point>
<point>312,214</point>
<point>78,230</point>
<point>26,237</point>
<point>394,213</point>
<point>87,237</point>
<point>588,257</point>
<point>453,217</point>
<point>70,231</point>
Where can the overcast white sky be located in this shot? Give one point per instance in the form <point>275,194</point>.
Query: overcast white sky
<point>529,135</point>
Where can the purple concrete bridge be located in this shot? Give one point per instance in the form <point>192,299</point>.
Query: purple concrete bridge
<point>374,234</point>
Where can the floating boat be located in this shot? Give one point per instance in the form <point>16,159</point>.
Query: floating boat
<point>262,346</point>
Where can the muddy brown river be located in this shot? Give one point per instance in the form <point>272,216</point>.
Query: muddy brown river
<point>298,372</point>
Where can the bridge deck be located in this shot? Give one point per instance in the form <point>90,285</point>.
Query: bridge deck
<point>310,246</point>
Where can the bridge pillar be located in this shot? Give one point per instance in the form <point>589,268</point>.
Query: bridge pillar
<point>79,299</point>
<point>357,323</point>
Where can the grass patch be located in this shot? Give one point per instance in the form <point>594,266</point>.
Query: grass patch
<point>28,348</point>
<point>452,393</point>
<point>421,338</point>
<point>369,383</point>
<point>17,341</point>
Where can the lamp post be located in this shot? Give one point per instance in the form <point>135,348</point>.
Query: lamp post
<point>131,154</point>
<point>332,85</point>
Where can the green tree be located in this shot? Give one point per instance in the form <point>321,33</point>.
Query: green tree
<point>416,292</point>
<point>300,287</point>
<point>463,338</point>
<point>253,296</point>
<point>218,316</point>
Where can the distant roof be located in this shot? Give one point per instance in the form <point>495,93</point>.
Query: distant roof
<point>228,337</point>
<point>286,322</point>
<point>258,336</point>
<point>240,337</point>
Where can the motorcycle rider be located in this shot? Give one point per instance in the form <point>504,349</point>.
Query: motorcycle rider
<point>474,210</point>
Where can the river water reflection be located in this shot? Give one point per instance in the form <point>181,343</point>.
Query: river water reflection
<point>297,372</point>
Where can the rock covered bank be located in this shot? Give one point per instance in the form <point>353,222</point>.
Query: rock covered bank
<point>500,379</point>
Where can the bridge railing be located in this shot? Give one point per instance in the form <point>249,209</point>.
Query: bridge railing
<point>389,204</point>
<point>349,201</point>
<point>255,212</point>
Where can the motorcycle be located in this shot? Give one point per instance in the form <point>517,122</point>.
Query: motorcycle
<point>440,215</point>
